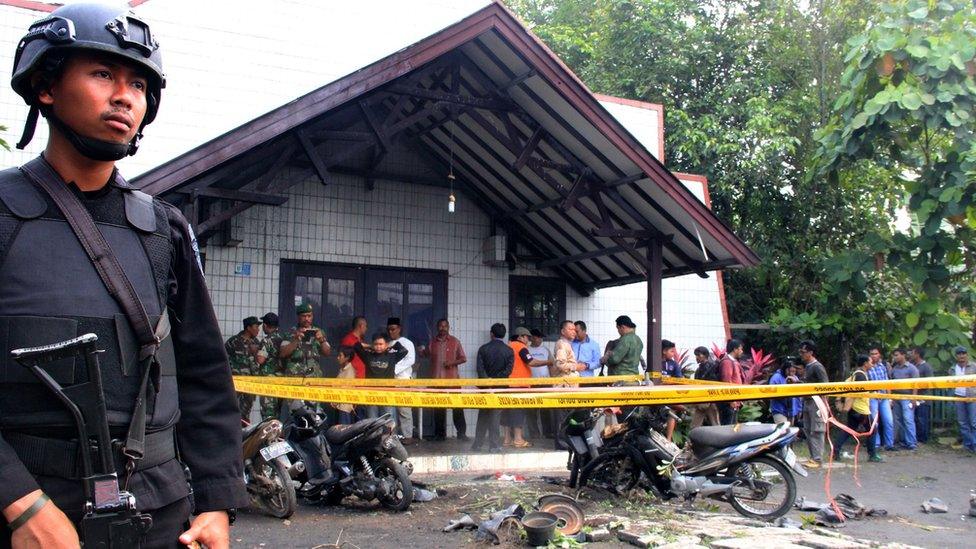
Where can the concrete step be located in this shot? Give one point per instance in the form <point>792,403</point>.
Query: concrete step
<point>453,456</point>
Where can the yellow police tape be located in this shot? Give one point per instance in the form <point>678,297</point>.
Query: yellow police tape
<point>583,397</point>
<point>438,383</point>
<point>944,398</point>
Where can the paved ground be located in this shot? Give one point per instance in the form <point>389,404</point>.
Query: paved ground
<point>900,485</point>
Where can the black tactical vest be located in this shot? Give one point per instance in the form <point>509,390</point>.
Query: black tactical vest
<point>50,291</point>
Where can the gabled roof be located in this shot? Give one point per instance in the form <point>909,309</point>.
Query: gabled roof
<point>530,142</point>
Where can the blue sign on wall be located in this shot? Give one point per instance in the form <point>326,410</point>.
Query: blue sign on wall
<point>243,269</point>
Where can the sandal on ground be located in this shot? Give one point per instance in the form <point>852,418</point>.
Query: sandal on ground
<point>522,444</point>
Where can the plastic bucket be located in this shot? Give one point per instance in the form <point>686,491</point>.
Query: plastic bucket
<point>539,527</point>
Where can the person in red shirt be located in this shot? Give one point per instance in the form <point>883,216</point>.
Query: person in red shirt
<point>513,420</point>
<point>446,354</point>
<point>730,371</point>
<point>352,339</point>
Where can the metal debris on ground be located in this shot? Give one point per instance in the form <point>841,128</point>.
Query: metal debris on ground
<point>463,523</point>
<point>972,505</point>
<point>422,494</point>
<point>566,509</point>
<point>935,505</point>
<point>502,525</point>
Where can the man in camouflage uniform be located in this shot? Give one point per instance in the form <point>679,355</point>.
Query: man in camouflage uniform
<point>301,348</point>
<point>270,407</point>
<point>247,357</point>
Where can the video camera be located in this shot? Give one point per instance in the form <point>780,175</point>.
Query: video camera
<point>111,520</point>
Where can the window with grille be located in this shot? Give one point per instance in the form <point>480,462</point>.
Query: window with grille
<point>536,302</point>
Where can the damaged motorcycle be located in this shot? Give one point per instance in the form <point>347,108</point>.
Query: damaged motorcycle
<point>266,469</point>
<point>365,459</point>
<point>749,465</point>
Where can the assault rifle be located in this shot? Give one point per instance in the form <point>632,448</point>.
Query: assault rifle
<point>111,520</point>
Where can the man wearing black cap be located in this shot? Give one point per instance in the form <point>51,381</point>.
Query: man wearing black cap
<point>625,357</point>
<point>403,370</point>
<point>247,356</point>
<point>271,343</point>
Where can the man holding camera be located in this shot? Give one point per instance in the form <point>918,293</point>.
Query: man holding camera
<point>300,350</point>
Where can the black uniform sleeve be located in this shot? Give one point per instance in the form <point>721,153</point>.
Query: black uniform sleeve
<point>524,355</point>
<point>209,429</point>
<point>15,480</point>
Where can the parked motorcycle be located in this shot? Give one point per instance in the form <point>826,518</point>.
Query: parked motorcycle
<point>365,459</point>
<point>579,432</point>
<point>749,465</point>
<point>266,469</point>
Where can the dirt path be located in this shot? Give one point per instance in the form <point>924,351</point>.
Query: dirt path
<point>899,486</point>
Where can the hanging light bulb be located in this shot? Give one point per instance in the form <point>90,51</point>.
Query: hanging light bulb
<point>450,174</point>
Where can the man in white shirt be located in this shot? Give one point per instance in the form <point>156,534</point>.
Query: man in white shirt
<point>403,370</point>
<point>541,360</point>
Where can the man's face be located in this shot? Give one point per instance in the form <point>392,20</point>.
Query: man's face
<point>914,356</point>
<point>536,340</point>
<point>380,345</point>
<point>394,330</point>
<point>568,331</point>
<point>443,328</point>
<point>361,328</point>
<point>621,329</point>
<point>669,354</point>
<point>252,330</point>
<point>342,359</point>
<point>99,96</point>
<point>962,359</point>
<point>580,333</point>
<point>269,329</point>
<point>305,320</point>
<point>524,339</point>
<point>737,352</point>
<point>875,356</point>
<point>898,357</point>
<point>700,358</point>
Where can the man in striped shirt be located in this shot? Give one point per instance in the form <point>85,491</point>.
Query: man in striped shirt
<point>881,408</point>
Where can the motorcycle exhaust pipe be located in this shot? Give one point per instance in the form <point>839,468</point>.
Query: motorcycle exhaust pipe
<point>710,488</point>
<point>296,469</point>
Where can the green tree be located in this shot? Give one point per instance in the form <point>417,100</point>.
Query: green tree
<point>905,108</point>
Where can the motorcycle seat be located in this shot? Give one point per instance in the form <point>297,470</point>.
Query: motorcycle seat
<point>339,434</point>
<point>728,435</point>
<point>247,431</point>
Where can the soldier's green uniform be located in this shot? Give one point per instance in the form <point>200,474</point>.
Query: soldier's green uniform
<point>243,352</point>
<point>304,360</point>
<point>271,344</point>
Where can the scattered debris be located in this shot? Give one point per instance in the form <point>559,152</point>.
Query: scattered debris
<point>463,523</point>
<point>972,505</point>
<point>566,509</point>
<point>540,527</point>
<point>787,522</point>
<point>508,477</point>
<point>640,539</point>
<point>805,504</point>
<point>599,534</point>
<point>602,519</point>
<point>935,505</point>
<point>423,494</point>
<point>498,528</point>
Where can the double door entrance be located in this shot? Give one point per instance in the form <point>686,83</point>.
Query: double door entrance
<point>338,293</point>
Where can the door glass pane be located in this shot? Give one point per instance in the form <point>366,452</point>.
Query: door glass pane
<point>389,302</point>
<point>340,307</point>
<point>308,289</point>
<point>419,324</point>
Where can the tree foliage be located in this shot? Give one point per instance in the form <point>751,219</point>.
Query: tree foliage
<point>746,85</point>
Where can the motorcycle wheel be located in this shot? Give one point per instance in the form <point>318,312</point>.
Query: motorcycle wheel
<point>615,472</point>
<point>774,493</point>
<point>282,503</point>
<point>402,494</point>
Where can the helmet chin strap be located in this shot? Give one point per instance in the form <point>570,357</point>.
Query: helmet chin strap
<point>89,147</point>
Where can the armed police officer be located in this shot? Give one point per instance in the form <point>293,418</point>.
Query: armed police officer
<point>247,357</point>
<point>94,72</point>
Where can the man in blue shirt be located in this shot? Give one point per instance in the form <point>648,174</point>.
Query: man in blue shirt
<point>586,350</point>
<point>904,410</point>
<point>670,366</point>
<point>885,432</point>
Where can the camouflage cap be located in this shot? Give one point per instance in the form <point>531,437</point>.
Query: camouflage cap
<point>303,308</point>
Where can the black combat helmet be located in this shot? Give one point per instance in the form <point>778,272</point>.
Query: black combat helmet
<point>92,27</point>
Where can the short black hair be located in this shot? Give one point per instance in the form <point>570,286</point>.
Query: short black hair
<point>439,320</point>
<point>535,332</point>
<point>498,330</point>
<point>875,347</point>
<point>380,335</point>
<point>732,345</point>
<point>899,350</point>
<point>564,323</point>
<point>356,319</point>
<point>808,345</point>
<point>919,351</point>
<point>702,350</point>
<point>580,324</point>
<point>666,344</point>
<point>347,351</point>
<point>860,360</point>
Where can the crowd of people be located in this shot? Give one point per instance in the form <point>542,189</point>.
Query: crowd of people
<point>901,423</point>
